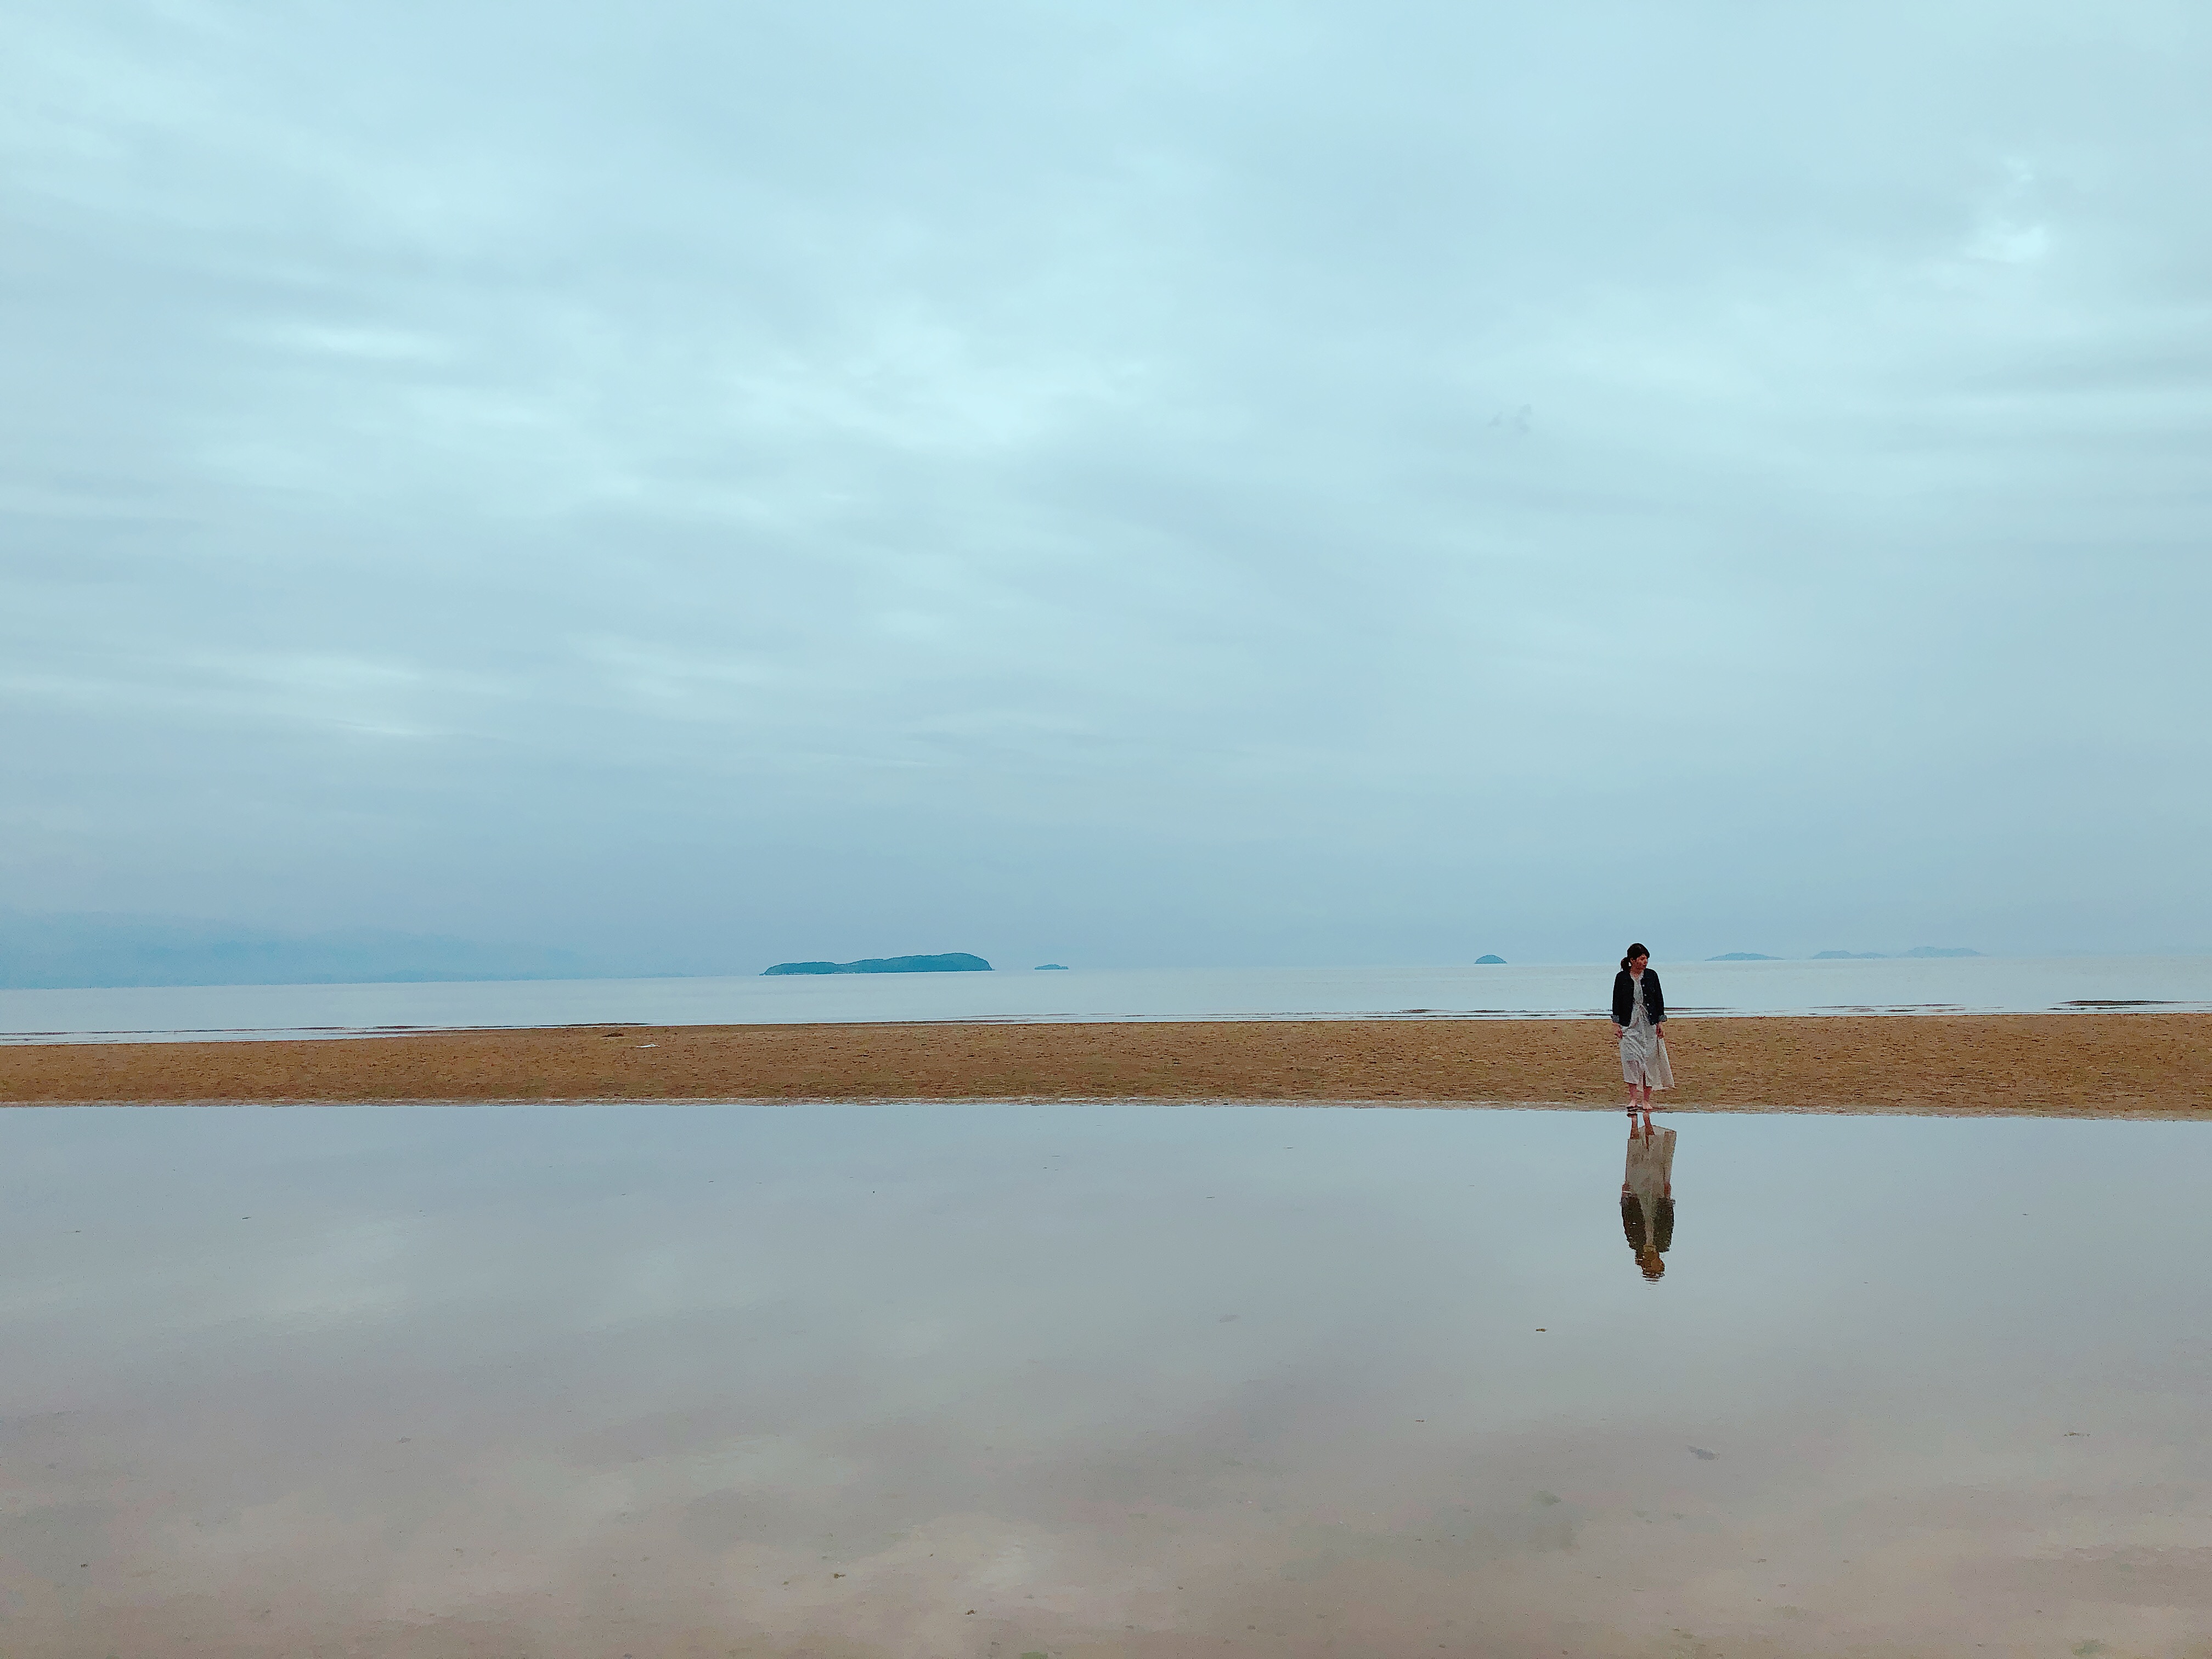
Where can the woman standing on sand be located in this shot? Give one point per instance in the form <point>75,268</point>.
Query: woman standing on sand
<point>1639,1010</point>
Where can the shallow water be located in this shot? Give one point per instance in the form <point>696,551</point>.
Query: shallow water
<point>1015,1380</point>
<point>1978,985</point>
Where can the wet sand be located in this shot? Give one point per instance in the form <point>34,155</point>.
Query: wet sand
<point>2102,1065</point>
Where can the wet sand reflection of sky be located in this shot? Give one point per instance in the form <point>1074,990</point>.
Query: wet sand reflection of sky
<point>993,1379</point>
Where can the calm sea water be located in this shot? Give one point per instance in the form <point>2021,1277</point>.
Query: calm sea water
<point>1986,984</point>
<point>1141,1380</point>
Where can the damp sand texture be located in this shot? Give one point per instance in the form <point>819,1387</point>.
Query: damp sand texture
<point>2151,1065</point>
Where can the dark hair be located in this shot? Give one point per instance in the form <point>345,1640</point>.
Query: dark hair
<point>1634,951</point>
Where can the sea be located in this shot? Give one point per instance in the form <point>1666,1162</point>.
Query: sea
<point>1508,991</point>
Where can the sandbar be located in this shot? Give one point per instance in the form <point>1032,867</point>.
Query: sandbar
<point>2089,1065</point>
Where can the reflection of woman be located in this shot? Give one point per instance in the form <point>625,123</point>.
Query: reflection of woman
<point>1639,1011</point>
<point>1647,1196</point>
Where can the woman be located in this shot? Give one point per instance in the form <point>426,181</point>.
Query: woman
<point>1639,1013</point>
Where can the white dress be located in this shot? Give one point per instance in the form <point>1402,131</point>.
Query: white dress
<point>1643,1055</point>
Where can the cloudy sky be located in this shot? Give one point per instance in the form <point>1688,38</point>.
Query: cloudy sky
<point>702,484</point>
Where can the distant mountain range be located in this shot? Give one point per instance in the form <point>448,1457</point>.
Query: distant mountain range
<point>56,949</point>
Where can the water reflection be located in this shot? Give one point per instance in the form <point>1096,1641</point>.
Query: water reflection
<point>1647,1196</point>
<point>1144,1382</point>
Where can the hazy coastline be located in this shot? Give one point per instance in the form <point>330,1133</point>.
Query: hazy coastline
<point>1990,985</point>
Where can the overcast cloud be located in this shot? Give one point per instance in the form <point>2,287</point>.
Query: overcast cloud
<point>706,483</point>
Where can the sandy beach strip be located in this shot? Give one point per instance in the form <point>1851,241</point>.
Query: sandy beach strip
<point>2146,1064</point>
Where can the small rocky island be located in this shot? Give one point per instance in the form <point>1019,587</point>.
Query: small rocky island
<point>952,962</point>
<point>1049,967</point>
<point>1490,961</point>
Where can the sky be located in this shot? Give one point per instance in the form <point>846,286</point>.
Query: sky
<point>705,484</point>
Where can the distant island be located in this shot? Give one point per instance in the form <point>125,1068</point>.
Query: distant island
<point>1490,961</point>
<point>953,962</point>
<point>1049,967</point>
<point>1743,955</point>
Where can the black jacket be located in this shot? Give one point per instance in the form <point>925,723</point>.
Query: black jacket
<point>1624,998</point>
